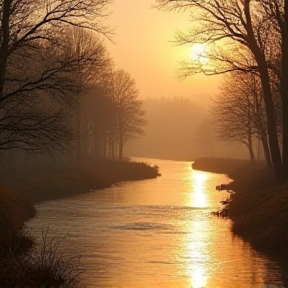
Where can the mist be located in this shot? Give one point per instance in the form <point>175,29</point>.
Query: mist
<point>180,128</point>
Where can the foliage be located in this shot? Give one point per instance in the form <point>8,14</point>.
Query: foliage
<point>127,170</point>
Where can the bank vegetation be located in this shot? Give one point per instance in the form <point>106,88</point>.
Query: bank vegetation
<point>259,207</point>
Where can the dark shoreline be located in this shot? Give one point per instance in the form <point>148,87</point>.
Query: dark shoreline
<point>50,182</point>
<point>259,208</point>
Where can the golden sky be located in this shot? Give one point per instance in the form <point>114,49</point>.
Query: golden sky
<point>143,37</point>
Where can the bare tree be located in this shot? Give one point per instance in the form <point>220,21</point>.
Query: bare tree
<point>130,116</point>
<point>205,137</point>
<point>38,87</point>
<point>98,116</point>
<point>232,110</point>
<point>91,78</point>
<point>244,28</point>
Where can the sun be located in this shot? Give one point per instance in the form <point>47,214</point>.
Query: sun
<point>198,53</point>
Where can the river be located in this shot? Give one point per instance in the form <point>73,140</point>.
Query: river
<point>157,233</point>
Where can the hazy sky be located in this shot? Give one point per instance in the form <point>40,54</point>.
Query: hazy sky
<point>143,48</point>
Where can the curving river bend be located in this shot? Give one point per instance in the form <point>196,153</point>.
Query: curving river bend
<point>157,233</point>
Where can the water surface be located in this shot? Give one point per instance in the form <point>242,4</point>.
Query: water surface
<point>157,233</point>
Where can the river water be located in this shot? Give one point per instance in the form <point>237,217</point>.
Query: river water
<point>157,233</point>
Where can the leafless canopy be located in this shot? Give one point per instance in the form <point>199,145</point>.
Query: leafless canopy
<point>39,69</point>
<point>247,36</point>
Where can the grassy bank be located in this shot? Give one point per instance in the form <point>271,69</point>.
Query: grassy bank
<point>47,182</point>
<point>259,209</point>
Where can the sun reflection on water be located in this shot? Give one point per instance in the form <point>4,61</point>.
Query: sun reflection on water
<point>197,251</point>
<point>198,195</point>
<point>198,277</point>
<point>195,246</point>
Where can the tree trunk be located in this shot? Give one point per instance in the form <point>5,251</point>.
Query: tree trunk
<point>284,92</point>
<point>275,153</point>
<point>78,139</point>
<point>121,148</point>
<point>251,151</point>
<point>271,125</point>
<point>266,152</point>
<point>5,42</point>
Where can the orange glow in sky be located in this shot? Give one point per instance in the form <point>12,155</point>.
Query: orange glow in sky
<point>144,48</point>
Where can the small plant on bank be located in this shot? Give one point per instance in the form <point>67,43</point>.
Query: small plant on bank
<point>44,266</point>
<point>51,267</point>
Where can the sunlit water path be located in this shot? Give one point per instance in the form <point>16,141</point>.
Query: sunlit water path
<point>157,233</point>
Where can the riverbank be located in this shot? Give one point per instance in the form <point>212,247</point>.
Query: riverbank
<point>259,208</point>
<point>21,262</point>
<point>47,182</point>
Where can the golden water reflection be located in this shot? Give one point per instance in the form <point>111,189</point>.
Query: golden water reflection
<point>198,277</point>
<point>198,194</point>
<point>149,235</point>
<point>195,246</point>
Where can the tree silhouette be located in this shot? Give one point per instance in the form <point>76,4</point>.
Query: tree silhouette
<point>130,116</point>
<point>238,111</point>
<point>241,36</point>
<point>38,87</point>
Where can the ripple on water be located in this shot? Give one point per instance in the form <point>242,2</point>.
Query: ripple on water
<point>153,233</point>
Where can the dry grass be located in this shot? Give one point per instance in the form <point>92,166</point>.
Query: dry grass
<point>261,216</point>
<point>22,263</point>
<point>260,210</point>
<point>43,266</point>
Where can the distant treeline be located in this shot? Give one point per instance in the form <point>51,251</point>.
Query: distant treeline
<point>180,128</point>
<point>219,165</point>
